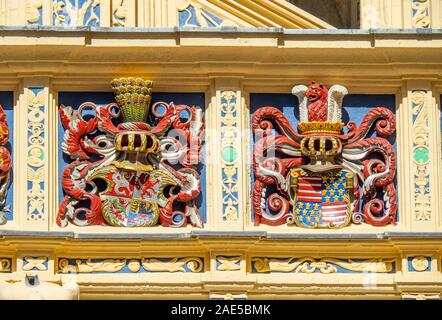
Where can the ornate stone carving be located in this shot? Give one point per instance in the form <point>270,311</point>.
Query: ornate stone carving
<point>119,13</point>
<point>421,156</point>
<point>420,263</point>
<point>36,101</point>
<point>38,263</point>
<point>5,265</point>
<point>315,178</point>
<point>193,13</point>
<point>76,12</point>
<point>5,167</point>
<point>177,264</point>
<point>323,265</point>
<point>228,263</point>
<point>89,266</point>
<point>33,10</point>
<point>191,264</point>
<point>229,154</point>
<point>421,13</point>
<point>150,177</point>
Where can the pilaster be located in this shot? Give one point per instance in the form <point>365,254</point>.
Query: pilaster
<point>32,154</point>
<point>418,120</point>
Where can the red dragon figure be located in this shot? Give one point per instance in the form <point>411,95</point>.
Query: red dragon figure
<point>5,165</point>
<point>318,178</point>
<point>132,174</point>
<point>317,109</point>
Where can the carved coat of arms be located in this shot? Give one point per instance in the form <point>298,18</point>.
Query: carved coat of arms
<point>129,168</point>
<point>318,178</point>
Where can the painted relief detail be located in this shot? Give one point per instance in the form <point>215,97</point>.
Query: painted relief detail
<point>141,172</point>
<point>420,263</point>
<point>34,11</point>
<point>35,263</point>
<point>314,177</point>
<point>421,156</point>
<point>5,167</point>
<point>323,265</point>
<point>229,154</point>
<point>177,264</point>
<point>228,263</point>
<point>36,101</point>
<point>5,265</point>
<point>192,13</point>
<point>119,13</point>
<point>75,13</point>
<point>421,13</point>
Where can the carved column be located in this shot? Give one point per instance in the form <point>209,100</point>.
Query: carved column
<point>419,116</point>
<point>32,139</point>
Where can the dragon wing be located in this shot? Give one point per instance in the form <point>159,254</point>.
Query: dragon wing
<point>299,91</point>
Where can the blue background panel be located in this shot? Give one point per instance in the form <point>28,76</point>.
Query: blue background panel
<point>7,102</point>
<point>355,107</point>
<point>75,99</point>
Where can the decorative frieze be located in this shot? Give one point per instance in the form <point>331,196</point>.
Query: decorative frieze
<point>75,13</point>
<point>36,170</point>
<point>420,14</point>
<point>421,156</point>
<point>191,13</point>
<point>322,265</point>
<point>230,154</point>
<point>176,264</point>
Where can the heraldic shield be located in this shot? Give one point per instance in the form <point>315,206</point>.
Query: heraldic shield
<point>322,200</point>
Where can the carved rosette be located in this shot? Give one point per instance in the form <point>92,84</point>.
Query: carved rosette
<point>229,154</point>
<point>421,156</point>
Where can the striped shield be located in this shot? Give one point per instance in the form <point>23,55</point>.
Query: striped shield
<point>322,201</point>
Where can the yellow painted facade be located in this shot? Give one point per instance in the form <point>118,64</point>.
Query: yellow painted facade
<point>229,49</point>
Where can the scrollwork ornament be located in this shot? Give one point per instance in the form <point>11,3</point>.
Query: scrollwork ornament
<point>150,178</point>
<point>319,177</point>
<point>421,13</point>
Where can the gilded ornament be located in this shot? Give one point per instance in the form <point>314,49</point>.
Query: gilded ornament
<point>420,263</point>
